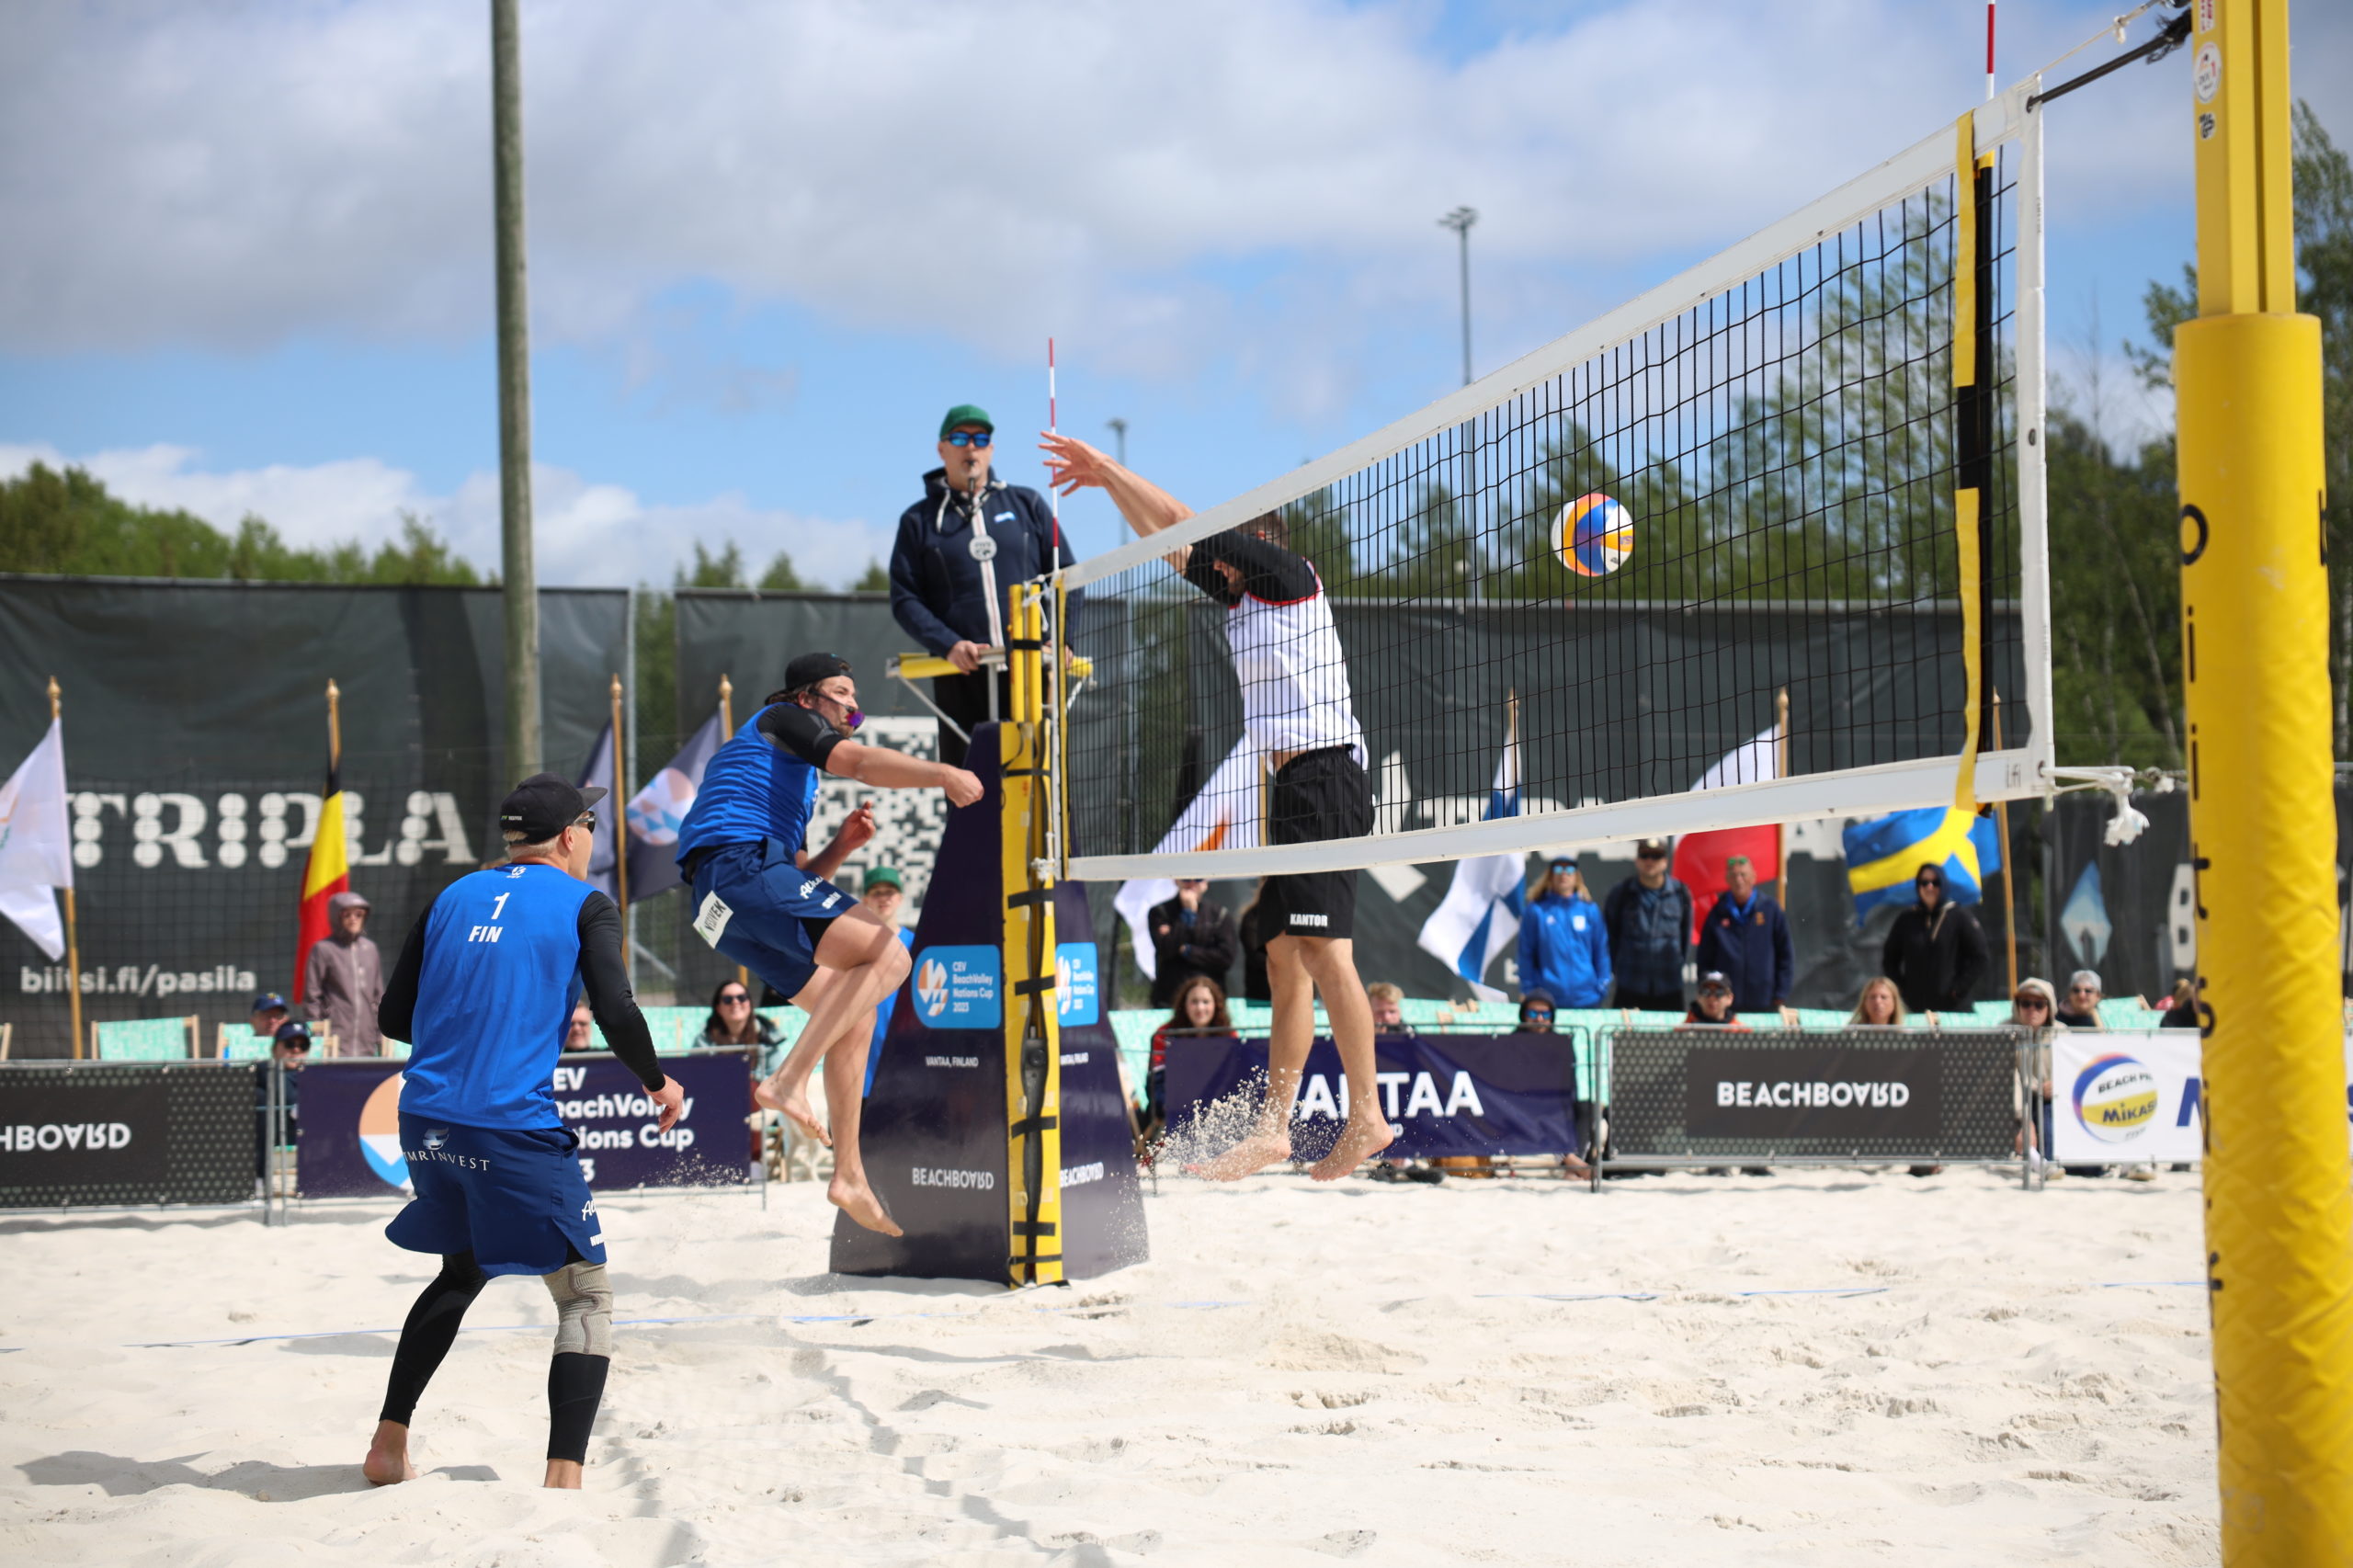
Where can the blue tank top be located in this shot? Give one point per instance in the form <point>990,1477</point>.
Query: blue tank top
<point>752,788</point>
<point>493,999</point>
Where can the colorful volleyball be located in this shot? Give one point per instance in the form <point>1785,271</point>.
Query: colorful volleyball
<point>1593,535</point>
<point>2115,1099</point>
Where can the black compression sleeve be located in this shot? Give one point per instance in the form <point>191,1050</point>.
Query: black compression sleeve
<point>800,731</point>
<point>431,1329</point>
<point>396,1010</point>
<point>1269,570</point>
<point>610,1002</point>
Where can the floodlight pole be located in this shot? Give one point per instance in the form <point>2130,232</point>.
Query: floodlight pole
<point>2262,819</point>
<point>1120,440</point>
<point>1459,221</point>
<point>518,575</point>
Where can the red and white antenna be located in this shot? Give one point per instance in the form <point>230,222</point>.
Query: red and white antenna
<point>1989,50</point>
<point>1054,491</point>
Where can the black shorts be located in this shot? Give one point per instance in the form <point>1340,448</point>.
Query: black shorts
<point>1317,795</point>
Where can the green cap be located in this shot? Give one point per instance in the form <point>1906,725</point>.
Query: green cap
<point>967,413</point>
<point>881,876</point>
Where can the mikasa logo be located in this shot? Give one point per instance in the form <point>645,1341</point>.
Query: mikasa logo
<point>1298,919</point>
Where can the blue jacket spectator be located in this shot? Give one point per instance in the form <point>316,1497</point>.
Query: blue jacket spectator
<point>1649,918</point>
<point>1748,937</point>
<point>1563,951</point>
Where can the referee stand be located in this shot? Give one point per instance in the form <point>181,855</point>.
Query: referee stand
<point>996,1132</point>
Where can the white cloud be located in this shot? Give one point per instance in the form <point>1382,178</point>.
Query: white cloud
<point>587,534</point>
<point>231,174</point>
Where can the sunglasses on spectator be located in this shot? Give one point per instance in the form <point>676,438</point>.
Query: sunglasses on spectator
<point>1538,1016</point>
<point>1652,855</point>
<point>969,437</point>
<point>2083,990</point>
<point>1929,882</point>
<point>586,820</point>
<point>2032,1001</point>
<point>734,999</point>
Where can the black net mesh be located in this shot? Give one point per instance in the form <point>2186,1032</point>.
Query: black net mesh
<point>1782,459</point>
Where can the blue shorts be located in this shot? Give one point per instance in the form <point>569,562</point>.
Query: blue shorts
<point>755,905</point>
<point>515,1200</point>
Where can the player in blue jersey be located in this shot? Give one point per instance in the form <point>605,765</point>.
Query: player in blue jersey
<point>765,899</point>
<point>483,991</point>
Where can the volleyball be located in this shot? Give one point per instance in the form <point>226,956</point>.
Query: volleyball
<point>1593,535</point>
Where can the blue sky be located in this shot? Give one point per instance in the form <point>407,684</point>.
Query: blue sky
<point>249,262</point>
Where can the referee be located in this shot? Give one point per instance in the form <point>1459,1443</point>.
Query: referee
<point>484,989</point>
<point>1296,710</point>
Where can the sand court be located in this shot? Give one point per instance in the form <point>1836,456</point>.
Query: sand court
<point>1826,1368</point>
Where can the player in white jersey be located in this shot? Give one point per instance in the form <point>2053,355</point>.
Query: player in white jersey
<point>1297,708</point>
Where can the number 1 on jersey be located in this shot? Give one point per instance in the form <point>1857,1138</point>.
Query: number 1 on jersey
<point>499,905</point>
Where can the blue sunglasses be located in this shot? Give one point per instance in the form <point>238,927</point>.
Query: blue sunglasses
<point>969,437</point>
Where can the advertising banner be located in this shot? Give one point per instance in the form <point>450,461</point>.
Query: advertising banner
<point>1849,1094</point>
<point>2120,1098</point>
<point>127,1132</point>
<point>196,748</point>
<point>1445,1094</point>
<point>350,1143</point>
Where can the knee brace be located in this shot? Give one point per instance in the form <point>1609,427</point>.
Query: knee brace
<point>584,1305</point>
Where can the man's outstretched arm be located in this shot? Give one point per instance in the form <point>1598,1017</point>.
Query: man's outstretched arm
<point>1072,465</point>
<point>888,769</point>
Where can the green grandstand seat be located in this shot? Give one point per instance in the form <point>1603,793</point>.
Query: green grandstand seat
<point>144,1039</point>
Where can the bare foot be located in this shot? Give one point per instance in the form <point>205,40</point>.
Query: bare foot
<point>1255,1152</point>
<point>793,1107</point>
<point>1361,1139</point>
<point>563,1476</point>
<point>857,1200</point>
<point>387,1459</point>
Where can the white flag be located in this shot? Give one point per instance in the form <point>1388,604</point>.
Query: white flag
<point>1480,913</point>
<point>1758,762</point>
<point>1224,815</point>
<point>36,842</point>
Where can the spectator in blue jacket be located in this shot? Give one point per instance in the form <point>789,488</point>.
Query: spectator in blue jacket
<point>1563,951</point>
<point>1746,937</point>
<point>960,552</point>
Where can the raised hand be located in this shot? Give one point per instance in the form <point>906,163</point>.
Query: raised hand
<point>1072,465</point>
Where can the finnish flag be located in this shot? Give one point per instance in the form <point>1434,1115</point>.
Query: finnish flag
<point>1480,918</point>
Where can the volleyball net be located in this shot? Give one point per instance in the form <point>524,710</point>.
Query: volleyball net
<point>1763,544</point>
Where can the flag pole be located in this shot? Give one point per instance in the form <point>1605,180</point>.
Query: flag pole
<point>621,825</point>
<point>2009,888</point>
<point>335,726</point>
<point>727,728</point>
<point>73,934</point>
<point>1781,770</point>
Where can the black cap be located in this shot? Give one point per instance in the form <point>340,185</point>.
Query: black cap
<point>287,1034</point>
<point>545,805</point>
<point>1714,981</point>
<point>810,668</point>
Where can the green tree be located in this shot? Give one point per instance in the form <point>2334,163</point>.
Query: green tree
<point>68,523</point>
<point>724,570</point>
<point>875,579</point>
<point>780,577</point>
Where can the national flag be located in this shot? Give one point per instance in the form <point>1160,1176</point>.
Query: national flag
<point>1479,918</point>
<point>1224,815</point>
<point>1700,856</point>
<point>36,842</point>
<point>598,771</point>
<point>327,874</point>
<point>1883,854</point>
<point>656,811</point>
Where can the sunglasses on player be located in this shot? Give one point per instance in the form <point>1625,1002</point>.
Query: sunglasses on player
<point>969,437</point>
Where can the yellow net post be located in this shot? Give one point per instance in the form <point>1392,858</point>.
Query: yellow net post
<point>1033,1036</point>
<point>2254,651</point>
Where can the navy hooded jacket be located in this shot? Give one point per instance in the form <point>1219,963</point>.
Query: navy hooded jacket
<point>1752,948</point>
<point>936,591</point>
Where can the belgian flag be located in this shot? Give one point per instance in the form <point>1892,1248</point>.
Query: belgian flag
<point>328,873</point>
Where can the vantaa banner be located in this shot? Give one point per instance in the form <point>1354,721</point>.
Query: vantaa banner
<point>1445,1094</point>
<point>2123,1098</point>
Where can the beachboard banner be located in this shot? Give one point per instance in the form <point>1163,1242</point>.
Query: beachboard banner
<point>2120,1097</point>
<point>1445,1094</point>
<point>115,1133</point>
<point>347,1113</point>
<point>1856,1094</point>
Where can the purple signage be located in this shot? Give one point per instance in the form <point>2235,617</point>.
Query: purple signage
<point>1445,1094</point>
<point>349,1122</point>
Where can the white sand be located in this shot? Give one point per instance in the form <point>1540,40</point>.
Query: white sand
<point>1388,1389</point>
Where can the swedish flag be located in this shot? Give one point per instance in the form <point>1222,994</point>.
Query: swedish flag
<point>1884,854</point>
